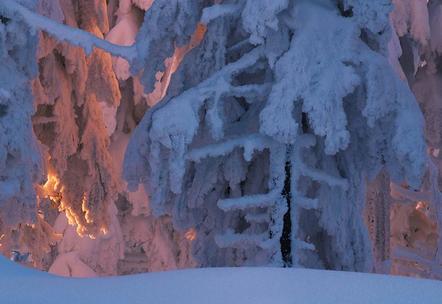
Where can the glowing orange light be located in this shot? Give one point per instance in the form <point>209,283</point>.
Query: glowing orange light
<point>420,205</point>
<point>103,230</point>
<point>172,64</point>
<point>190,234</point>
<point>53,190</point>
<point>87,212</point>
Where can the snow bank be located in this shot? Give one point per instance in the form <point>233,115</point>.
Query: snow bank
<point>221,285</point>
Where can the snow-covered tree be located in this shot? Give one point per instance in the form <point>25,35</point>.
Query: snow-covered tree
<point>417,216</point>
<point>261,132</point>
<point>83,128</point>
<point>20,158</point>
<point>286,108</point>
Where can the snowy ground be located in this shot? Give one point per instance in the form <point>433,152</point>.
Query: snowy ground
<point>213,286</point>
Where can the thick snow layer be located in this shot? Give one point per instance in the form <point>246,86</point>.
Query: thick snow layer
<point>221,285</point>
<point>65,33</point>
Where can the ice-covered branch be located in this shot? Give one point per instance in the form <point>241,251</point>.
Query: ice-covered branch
<point>190,101</point>
<point>250,143</point>
<point>251,89</point>
<point>250,201</point>
<point>63,32</point>
<point>241,240</point>
<point>321,176</point>
<point>219,10</point>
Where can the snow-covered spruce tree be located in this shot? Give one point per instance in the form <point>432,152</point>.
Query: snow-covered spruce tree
<point>75,94</point>
<point>20,158</point>
<point>417,216</point>
<point>272,127</point>
<point>83,129</point>
<point>149,244</point>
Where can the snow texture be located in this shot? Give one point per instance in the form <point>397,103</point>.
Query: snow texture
<point>20,155</point>
<point>228,285</point>
<point>260,111</point>
<point>320,89</point>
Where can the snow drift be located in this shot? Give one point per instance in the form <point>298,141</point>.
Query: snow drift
<point>216,285</point>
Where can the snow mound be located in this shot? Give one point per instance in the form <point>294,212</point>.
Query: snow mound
<point>216,285</point>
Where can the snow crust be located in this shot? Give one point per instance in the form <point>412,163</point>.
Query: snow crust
<point>216,285</point>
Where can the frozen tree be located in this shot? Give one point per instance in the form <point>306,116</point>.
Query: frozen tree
<point>255,129</point>
<point>83,127</point>
<point>286,108</point>
<point>20,156</point>
<point>417,216</point>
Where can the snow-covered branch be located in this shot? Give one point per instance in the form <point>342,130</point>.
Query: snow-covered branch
<point>219,10</point>
<point>241,240</point>
<point>251,201</point>
<point>250,143</point>
<point>83,39</point>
